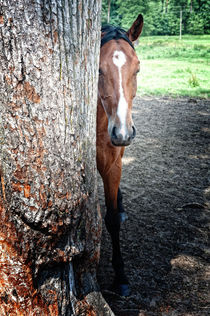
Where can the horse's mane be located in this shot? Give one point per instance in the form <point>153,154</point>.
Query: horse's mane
<point>114,32</point>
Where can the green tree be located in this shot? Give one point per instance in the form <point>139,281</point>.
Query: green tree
<point>161,17</point>
<point>129,9</point>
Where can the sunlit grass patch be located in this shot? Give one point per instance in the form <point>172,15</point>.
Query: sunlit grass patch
<point>173,67</point>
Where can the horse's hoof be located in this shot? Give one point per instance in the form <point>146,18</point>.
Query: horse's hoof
<point>123,217</point>
<point>121,289</point>
<point>124,290</point>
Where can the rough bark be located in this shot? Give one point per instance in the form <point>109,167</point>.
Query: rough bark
<point>50,224</point>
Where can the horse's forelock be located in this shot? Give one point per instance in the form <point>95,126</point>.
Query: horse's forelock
<point>110,32</point>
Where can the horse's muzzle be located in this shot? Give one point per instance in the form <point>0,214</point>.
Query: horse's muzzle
<point>122,139</point>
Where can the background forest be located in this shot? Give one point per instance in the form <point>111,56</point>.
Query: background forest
<point>161,17</point>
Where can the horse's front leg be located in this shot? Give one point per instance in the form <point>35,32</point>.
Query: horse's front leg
<point>114,216</point>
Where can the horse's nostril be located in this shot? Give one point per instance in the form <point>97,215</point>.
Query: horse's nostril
<point>114,135</point>
<point>134,132</point>
<point>121,137</point>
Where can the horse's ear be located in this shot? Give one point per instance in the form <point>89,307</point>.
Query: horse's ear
<point>136,28</point>
<point>102,34</point>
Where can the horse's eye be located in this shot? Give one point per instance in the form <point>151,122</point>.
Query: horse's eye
<point>100,72</point>
<point>137,71</point>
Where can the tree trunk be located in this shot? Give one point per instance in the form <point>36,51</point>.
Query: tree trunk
<point>50,224</point>
<point>166,7</point>
<point>108,11</point>
<point>162,6</point>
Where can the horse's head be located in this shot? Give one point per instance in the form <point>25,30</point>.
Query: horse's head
<point>118,68</point>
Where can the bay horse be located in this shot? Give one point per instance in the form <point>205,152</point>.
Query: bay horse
<point>117,86</point>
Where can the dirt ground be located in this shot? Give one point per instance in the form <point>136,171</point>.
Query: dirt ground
<point>166,189</point>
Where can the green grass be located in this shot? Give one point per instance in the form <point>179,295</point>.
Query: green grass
<point>174,67</point>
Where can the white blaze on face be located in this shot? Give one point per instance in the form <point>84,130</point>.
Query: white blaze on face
<point>119,59</point>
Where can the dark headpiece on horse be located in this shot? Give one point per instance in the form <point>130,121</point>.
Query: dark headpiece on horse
<point>112,32</point>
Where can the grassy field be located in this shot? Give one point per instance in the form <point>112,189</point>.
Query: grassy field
<point>174,67</point>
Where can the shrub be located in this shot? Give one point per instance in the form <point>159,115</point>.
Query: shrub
<point>193,81</point>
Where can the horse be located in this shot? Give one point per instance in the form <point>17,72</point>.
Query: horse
<point>117,85</point>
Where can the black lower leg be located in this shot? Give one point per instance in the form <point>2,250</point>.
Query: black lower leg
<point>112,222</point>
<point>122,215</point>
<point>120,201</point>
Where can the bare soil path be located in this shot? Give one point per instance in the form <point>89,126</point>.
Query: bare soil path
<point>166,189</point>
